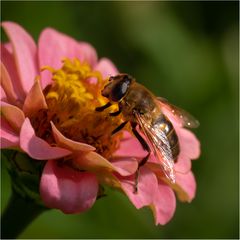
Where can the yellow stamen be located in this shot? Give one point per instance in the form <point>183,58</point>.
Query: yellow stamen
<point>72,100</point>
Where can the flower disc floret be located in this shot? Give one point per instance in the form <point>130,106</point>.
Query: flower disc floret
<point>71,100</point>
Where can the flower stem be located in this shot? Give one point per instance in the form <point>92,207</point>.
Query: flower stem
<point>19,213</point>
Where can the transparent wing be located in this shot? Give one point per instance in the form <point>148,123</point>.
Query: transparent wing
<point>159,144</point>
<point>186,118</point>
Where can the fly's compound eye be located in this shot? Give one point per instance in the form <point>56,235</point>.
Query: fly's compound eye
<point>119,90</point>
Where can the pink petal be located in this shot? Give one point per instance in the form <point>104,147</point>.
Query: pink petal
<point>35,100</point>
<point>8,136</point>
<point>36,147</point>
<point>13,115</point>
<point>106,67</point>
<point>68,143</point>
<point>189,144</point>
<point>66,189</point>
<point>164,204</point>
<point>55,46</point>
<point>9,47</point>
<point>147,188</point>
<point>25,52</point>
<point>183,164</point>
<point>7,84</point>
<point>87,53</point>
<point>94,162</point>
<point>185,186</point>
<point>3,96</point>
<point>8,61</point>
<point>125,166</point>
<point>130,146</point>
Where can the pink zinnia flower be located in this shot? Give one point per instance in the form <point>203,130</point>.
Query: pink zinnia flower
<point>49,94</point>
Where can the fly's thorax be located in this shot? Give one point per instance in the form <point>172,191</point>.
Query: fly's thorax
<point>138,98</point>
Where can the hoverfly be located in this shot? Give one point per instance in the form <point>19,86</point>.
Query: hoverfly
<point>141,108</point>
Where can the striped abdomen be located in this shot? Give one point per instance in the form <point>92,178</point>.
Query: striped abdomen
<point>167,127</point>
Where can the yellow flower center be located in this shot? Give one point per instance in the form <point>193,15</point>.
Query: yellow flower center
<point>72,100</point>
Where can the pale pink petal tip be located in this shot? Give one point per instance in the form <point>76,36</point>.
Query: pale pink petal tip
<point>189,144</point>
<point>87,53</point>
<point>55,46</point>
<point>66,189</point>
<point>106,67</point>
<point>36,147</point>
<point>68,143</point>
<point>183,164</point>
<point>10,79</point>
<point>164,204</point>
<point>13,115</point>
<point>8,137</point>
<point>186,186</point>
<point>6,85</point>
<point>35,100</point>
<point>147,188</point>
<point>25,52</point>
<point>3,95</point>
<point>93,161</point>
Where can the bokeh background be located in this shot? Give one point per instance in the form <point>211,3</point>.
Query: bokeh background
<point>186,52</point>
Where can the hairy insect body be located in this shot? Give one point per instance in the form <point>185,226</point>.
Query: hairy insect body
<point>141,100</point>
<point>166,126</point>
<point>137,99</point>
<point>141,108</point>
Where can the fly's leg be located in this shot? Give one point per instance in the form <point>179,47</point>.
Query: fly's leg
<point>113,114</point>
<point>145,147</point>
<point>107,105</point>
<point>120,127</point>
<point>142,142</point>
<point>100,109</point>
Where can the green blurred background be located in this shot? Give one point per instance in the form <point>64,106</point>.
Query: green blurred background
<point>186,52</point>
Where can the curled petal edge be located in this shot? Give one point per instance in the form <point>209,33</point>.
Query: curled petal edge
<point>68,143</point>
<point>36,147</point>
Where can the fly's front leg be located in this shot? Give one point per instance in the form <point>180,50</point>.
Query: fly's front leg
<point>121,126</point>
<point>100,109</point>
<point>145,147</point>
<point>117,112</point>
<point>107,105</point>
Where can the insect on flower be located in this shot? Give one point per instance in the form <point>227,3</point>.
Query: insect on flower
<point>71,151</point>
<point>141,108</point>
